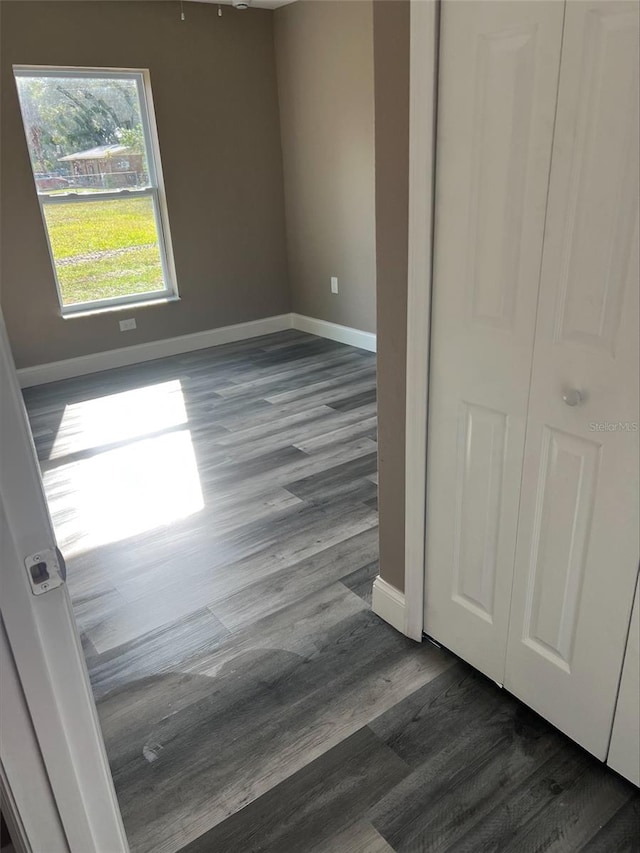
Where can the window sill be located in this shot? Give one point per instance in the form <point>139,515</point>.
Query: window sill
<point>128,306</point>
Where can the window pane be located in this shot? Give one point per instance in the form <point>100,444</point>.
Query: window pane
<point>104,249</point>
<point>85,134</point>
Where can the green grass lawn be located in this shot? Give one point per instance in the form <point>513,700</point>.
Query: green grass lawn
<point>104,249</point>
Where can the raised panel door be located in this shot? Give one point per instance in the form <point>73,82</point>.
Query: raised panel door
<point>498,76</point>
<point>577,549</point>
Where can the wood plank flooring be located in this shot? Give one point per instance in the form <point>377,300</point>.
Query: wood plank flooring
<point>218,511</point>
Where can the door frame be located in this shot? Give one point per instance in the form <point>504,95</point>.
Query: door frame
<point>23,777</point>
<point>45,646</point>
<point>423,75</point>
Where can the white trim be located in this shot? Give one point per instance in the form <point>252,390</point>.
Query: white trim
<point>42,373</point>
<point>389,604</point>
<point>122,306</point>
<point>133,300</point>
<point>22,70</point>
<point>161,208</point>
<point>335,332</point>
<point>422,150</point>
<point>155,190</point>
<point>26,799</point>
<point>45,644</point>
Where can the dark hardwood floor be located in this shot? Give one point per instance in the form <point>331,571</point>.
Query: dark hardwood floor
<point>218,511</point>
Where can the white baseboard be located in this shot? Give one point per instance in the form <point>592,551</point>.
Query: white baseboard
<point>389,604</point>
<point>40,374</point>
<point>55,370</point>
<point>335,332</point>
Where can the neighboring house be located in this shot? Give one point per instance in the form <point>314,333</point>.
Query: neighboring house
<point>108,166</point>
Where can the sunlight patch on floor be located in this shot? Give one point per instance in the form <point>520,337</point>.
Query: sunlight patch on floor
<point>147,480</point>
<point>120,417</point>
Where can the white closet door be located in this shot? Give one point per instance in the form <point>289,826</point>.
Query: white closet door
<point>624,750</point>
<point>498,80</point>
<point>577,551</point>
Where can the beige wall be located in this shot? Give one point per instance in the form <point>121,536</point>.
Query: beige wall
<point>215,94</point>
<point>391,52</point>
<point>324,57</point>
<point>216,106</point>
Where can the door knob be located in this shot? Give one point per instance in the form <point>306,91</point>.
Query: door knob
<point>572,397</point>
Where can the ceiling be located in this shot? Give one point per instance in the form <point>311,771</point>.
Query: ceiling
<point>255,4</point>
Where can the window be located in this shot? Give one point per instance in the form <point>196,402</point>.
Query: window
<point>96,167</point>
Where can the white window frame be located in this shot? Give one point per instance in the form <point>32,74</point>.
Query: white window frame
<point>155,190</point>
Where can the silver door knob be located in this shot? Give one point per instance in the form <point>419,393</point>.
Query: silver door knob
<point>572,397</point>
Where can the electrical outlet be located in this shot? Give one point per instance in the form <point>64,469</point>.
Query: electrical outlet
<point>334,284</point>
<point>127,325</point>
